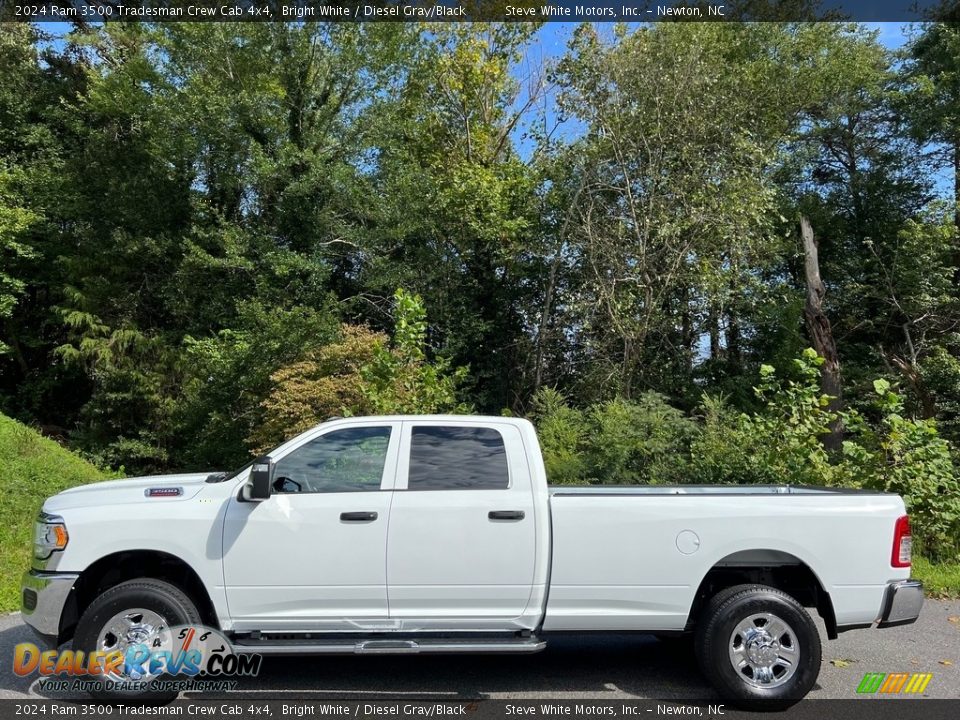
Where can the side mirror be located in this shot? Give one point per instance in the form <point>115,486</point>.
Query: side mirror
<point>257,488</point>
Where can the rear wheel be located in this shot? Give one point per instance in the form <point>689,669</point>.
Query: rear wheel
<point>758,647</point>
<point>136,612</point>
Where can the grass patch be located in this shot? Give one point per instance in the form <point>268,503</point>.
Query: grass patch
<point>34,468</point>
<point>940,580</point>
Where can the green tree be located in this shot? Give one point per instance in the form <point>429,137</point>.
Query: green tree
<point>458,202</point>
<point>616,442</point>
<point>361,373</point>
<point>29,158</point>
<point>327,382</point>
<point>675,238</point>
<point>401,379</point>
<point>884,450</point>
<point>933,98</point>
<point>861,174</point>
<point>209,185</point>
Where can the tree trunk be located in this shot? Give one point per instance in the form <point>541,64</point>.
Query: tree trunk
<point>17,349</point>
<point>733,340</point>
<point>913,376</point>
<point>956,182</point>
<point>956,211</point>
<point>686,329</point>
<point>551,287</point>
<point>818,325</point>
<point>713,328</point>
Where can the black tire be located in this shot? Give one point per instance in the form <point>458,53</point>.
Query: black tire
<point>715,636</point>
<point>167,600</point>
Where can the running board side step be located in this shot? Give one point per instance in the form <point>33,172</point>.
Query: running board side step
<point>393,647</point>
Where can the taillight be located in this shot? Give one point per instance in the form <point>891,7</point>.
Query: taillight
<point>902,543</point>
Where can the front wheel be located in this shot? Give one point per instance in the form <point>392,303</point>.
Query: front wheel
<point>137,612</point>
<point>758,647</point>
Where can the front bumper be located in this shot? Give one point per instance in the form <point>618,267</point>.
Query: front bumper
<point>42,599</point>
<point>901,603</point>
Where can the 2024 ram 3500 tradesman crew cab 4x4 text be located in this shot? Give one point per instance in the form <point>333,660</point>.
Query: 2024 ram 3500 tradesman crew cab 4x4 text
<point>439,534</point>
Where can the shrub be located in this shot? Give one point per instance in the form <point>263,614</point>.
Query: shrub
<point>940,372</point>
<point>908,457</point>
<point>327,381</point>
<point>642,441</point>
<point>227,376</point>
<point>778,444</point>
<point>360,374</point>
<point>781,444</point>
<point>400,379</point>
<point>562,431</point>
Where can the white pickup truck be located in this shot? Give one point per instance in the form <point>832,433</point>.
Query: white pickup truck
<point>439,534</point>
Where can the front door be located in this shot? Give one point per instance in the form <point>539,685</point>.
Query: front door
<point>312,556</point>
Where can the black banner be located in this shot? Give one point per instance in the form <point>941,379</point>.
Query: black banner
<point>475,10</point>
<point>247,708</point>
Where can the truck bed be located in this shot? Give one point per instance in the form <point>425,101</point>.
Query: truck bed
<point>631,558</point>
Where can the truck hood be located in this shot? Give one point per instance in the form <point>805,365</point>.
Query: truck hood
<point>128,490</point>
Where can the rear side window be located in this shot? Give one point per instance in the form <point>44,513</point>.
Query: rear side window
<point>457,458</point>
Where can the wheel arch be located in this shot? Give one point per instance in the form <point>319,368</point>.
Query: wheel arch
<point>115,568</point>
<point>766,566</point>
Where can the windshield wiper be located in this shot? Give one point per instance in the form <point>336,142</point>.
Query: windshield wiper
<point>222,476</point>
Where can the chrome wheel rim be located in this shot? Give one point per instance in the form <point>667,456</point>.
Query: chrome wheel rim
<point>764,651</point>
<point>135,626</point>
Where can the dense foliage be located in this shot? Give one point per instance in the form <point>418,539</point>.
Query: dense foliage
<point>620,442</point>
<point>648,441</point>
<point>203,228</point>
<point>361,373</point>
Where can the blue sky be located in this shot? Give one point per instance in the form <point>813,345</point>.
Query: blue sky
<point>553,36</point>
<point>551,41</point>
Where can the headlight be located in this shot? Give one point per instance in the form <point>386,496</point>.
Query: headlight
<point>49,535</point>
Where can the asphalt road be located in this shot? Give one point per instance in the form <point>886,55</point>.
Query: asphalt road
<point>594,667</point>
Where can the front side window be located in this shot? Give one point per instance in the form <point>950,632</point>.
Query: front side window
<point>457,458</point>
<point>348,460</point>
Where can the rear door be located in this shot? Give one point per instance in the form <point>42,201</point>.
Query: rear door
<point>461,546</point>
